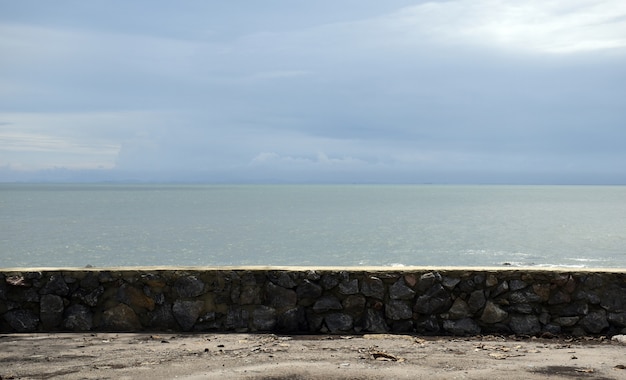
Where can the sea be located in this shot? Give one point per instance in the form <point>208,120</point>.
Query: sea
<point>110,225</point>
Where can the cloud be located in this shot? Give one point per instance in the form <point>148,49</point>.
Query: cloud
<point>383,89</point>
<point>27,142</point>
<point>85,140</point>
<point>531,26</point>
<point>282,74</point>
<point>321,159</point>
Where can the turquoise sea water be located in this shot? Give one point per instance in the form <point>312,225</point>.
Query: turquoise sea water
<point>334,225</point>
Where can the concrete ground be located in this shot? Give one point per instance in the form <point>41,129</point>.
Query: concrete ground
<point>268,356</point>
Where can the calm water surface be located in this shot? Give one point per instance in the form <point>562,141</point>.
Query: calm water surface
<point>118,225</point>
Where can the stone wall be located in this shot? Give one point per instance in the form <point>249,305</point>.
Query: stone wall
<point>315,300</point>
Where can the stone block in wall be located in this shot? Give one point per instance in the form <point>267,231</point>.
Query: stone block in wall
<point>159,298</point>
<point>458,310</point>
<point>264,318</point>
<point>237,319</point>
<point>279,297</point>
<point>312,275</point>
<point>348,287</point>
<point>467,285</point>
<point>491,280</point>
<point>570,285</point>
<point>614,300</point>
<point>135,298</point>
<point>35,278</point>
<point>375,321</point>
<point>314,321</point>
<point>465,326</point>
<point>3,288</point>
<point>374,287</point>
<point>410,279</point>
<point>592,281</point>
<point>222,295</point>
<point>479,280</point>
<point>525,324</point>
<point>222,282</point>
<point>401,291</point>
<point>22,295</point>
<point>55,285</point>
<point>248,278</point>
<point>88,296</point>
<point>618,319</point>
<point>524,296</point>
<point>544,318</point>
<point>427,280</point>
<point>574,309</point>
<point>78,318</point>
<point>436,300</point>
<point>566,321</point>
<point>189,287</point>
<point>492,313</point>
<point>427,325</point>
<point>590,296</point>
<point>235,294</point>
<point>398,310</point>
<point>502,288</point>
<point>105,277</point>
<point>402,326</point>
<point>338,323</point>
<point>516,284</point>
<point>153,280</point>
<point>595,322</point>
<point>327,303</point>
<point>250,295</point>
<point>162,317</point>
<point>552,329</point>
<point>449,282</point>
<point>51,311</point>
<point>121,318</point>
<point>90,281</point>
<point>329,281</point>
<point>284,279</point>
<point>559,297</point>
<point>292,320</point>
<point>354,304</point>
<point>521,308</point>
<point>543,291</point>
<point>476,301</point>
<point>209,322</point>
<point>22,320</point>
<point>186,313</point>
<point>18,280</point>
<point>308,290</point>
<point>560,279</point>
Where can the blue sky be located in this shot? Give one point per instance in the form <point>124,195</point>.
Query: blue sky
<point>359,91</point>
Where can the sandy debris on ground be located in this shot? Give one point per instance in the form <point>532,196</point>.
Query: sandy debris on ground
<point>269,356</point>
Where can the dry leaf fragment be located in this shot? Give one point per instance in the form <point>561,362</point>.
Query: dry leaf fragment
<point>585,370</point>
<point>378,355</point>
<point>498,356</point>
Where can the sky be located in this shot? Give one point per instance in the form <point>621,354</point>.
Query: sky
<point>326,91</point>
